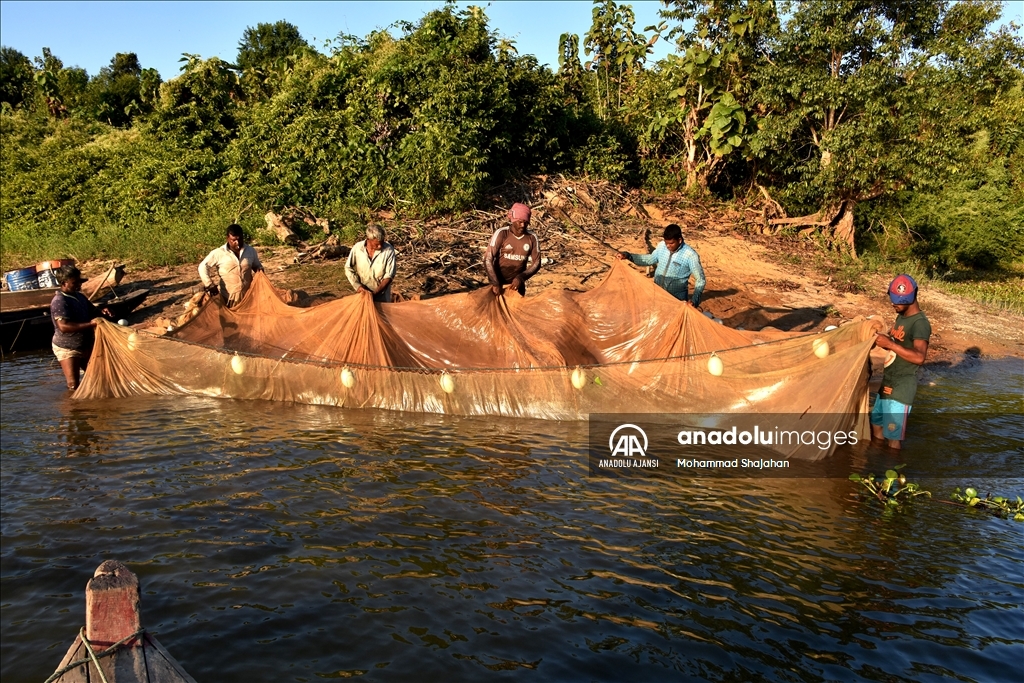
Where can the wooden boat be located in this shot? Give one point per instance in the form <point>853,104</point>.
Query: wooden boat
<point>113,645</point>
<point>25,319</point>
<point>25,323</point>
<point>121,306</point>
<point>25,299</point>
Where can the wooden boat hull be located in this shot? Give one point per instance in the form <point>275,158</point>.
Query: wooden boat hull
<point>26,331</point>
<point>35,299</point>
<point>121,306</point>
<point>25,323</point>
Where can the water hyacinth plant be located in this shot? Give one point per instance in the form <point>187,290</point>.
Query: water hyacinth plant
<point>893,489</point>
<point>997,505</point>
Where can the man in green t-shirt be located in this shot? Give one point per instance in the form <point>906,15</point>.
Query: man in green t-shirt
<point>907,344</point>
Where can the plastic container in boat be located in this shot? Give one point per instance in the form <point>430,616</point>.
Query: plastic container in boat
<point>19,280</point>
<point>46,272</point>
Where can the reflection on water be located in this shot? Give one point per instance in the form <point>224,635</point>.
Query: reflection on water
<point>283,542</point>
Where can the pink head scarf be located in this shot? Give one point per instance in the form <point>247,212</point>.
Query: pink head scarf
<point>519,212</point>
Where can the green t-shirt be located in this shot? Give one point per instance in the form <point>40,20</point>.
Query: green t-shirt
<point>899,381</point>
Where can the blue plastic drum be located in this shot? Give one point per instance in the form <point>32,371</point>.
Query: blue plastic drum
<point>18,280</point>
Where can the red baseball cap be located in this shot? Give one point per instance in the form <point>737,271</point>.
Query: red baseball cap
<point>903,290</point>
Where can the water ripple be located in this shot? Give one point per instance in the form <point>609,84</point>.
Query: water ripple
<point>302,542</point>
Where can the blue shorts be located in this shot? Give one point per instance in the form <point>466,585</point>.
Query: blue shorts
<point>891,416</point>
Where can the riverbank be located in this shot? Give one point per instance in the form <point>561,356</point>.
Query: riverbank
<point>754,280</point>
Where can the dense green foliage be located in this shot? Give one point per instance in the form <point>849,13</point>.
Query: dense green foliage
<point>907,116</point>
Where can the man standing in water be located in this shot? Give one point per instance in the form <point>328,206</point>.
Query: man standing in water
<point>234,263</point>
<point>371,265</point>
<point>676,261</point>
<point>509,251</point>
<point>74,321</point>
<point>907,344</point>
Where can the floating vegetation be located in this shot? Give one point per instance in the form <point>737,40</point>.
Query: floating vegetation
<point>891,491</point>
<point>997,505</point>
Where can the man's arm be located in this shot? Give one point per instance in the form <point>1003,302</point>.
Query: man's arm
<point>70,328</point>
<point>204,269</point>
<point>390,268</point>
<point>921,333</point>
<point>646,259</point>
<point>350,272</point>
<point>698,278</point>
<point>491,259</point>
<point>59,313</point>
<point>255,263</point>
<point>534,261</point>
<point>390,264</point>
<point>915,355</point>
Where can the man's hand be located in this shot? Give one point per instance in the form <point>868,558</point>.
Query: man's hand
<point>621,255</point>
<point>495,290</point>
<point>106,311</point>
<point>363,289</point>
<point>213,290</point>
<point>882,341</point>
<point>516,284</point>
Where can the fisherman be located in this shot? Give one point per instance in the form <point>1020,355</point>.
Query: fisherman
<point>371,265</point>
<point>234,263</point>
<point>676,261</point>
<point>907,343</point>
<point>509,251</point>
<point>74,319</point>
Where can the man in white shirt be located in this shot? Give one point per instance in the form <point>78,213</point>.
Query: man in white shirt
<point>233,263</point>
<point>371,265</point>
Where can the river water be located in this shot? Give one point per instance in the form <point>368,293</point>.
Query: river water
<point>297,543</point>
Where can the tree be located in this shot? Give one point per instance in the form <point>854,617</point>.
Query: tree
<point>619,52</point>
<point>854,109</point>
<point>198,108</point>
<point>264,50</point>
<point>47,77</point>
<point>709,111</point>
<point>117,90</point>
<point>426,122</point>
<point>570,70</point>
<point>16,77</point>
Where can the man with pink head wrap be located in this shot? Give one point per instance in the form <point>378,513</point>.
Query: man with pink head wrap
<point>509,252</point>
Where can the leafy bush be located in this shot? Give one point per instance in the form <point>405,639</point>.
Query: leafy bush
<point>913,117</point>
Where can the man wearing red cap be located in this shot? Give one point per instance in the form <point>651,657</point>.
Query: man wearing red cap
<point>509,252</point>
<point>907,344</point>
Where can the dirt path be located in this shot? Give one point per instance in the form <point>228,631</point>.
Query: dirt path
<point>753,282</point>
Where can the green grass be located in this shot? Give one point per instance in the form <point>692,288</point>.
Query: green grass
<point>1004,290</point>
<point>165,243</point>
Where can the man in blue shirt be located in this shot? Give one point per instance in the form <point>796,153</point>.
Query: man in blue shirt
<point>676,262</point>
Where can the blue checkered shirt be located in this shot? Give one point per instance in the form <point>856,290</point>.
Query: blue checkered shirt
<point>674,270</point>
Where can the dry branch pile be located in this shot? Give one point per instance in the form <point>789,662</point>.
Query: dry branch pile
<point>575,219</point>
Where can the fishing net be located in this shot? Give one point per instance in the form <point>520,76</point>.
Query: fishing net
<point>625,346</point>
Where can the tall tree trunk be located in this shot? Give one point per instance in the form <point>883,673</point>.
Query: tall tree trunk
<point>842,230</point>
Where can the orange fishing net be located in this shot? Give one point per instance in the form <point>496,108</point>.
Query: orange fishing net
<point>624,346</point>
